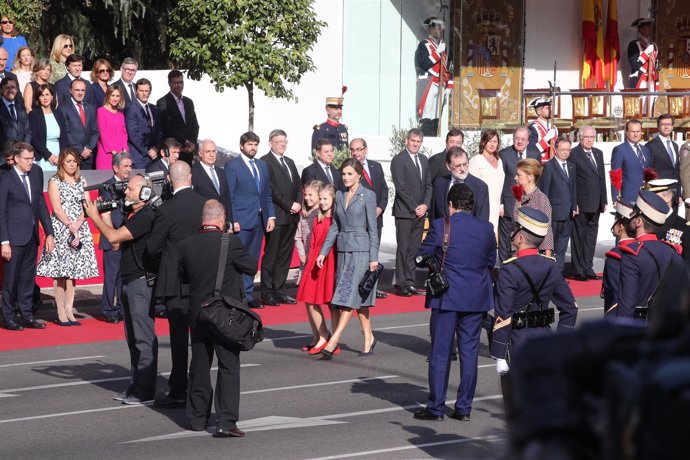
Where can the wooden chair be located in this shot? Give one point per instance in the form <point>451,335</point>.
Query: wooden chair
<point>588,106</point>
<point>633,104</point>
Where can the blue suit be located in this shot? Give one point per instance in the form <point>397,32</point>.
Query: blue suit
<point>140,136</point>
<point>112,283</point>
<point>439,201</point>
<point>251,208</point>
<point>78,136</point>
<point>513,294</point>
<point>624,157</point>
<point>610,285</point>
<point>470,256</point>
<point>63,92</point>
<point>561,190</point>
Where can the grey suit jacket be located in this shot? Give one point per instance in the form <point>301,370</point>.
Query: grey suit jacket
<point>354,228</point>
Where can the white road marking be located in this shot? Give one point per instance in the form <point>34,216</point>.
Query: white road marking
<point>590,309</point>
<point>51,361</point>
<point>309,385</point>
<point>489,438</point>
<point>279,423</point>
<point>303,336</point>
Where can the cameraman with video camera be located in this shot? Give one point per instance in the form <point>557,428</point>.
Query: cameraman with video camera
<point>137,287</point>
<point>459,251</point>
<point>111,300</point>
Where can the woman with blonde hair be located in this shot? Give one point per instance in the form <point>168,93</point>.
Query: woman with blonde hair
<point>111,125</point>
<point>23,66</point>
<point>41,76</point>
<point>101,74</point>
<point>527,193</point>
<point>63,46</point>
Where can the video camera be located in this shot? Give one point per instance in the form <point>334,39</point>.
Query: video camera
<point>436,281</point>
<point>158,186</point>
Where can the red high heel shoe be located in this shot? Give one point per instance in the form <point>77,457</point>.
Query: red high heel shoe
<point>317,350</point>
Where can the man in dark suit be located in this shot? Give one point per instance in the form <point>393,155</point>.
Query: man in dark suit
<point>374,180</point>
<point>111,300</point>
<point>22,207</point>
<point>286,190</point>
<point>590,185</point>
<point>178,118</point>
<point>437,163</point>
<point>412,181</point>
<point>168,154</point>
<point>253,212</point>
<point>471,254</point>
<point>63,87</point>
<point>208,179</point>
<point>198,261</point>
<point>128,71</point>
<point>510,156</point>
<point>457,164</point>
<point>143,124</point>
<point>558,182</point>
<point>14,121</point>
<point>630,159</point>
<point>81,127</point>
<point>4,73</point>
<point>322,168</point>
<point>176,219</point>
<point>664,153</point>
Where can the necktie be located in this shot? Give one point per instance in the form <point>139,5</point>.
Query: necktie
<point>180,107</point>
<point>419,169</point>
<point>329,175</point>
<point>287,170</point>
<point>565,170</point>
<point>26,186</point>
<point>591,160</point>
<point>670,152</point>
<point>214,178</point>
<point>255,173</point>
<point>82,114</point>
<point>131,92</point>
<point>521,155</point>
<point>13,113</point>
<point>368,179</point>
<point>148,116</point>
<point>640,157</point>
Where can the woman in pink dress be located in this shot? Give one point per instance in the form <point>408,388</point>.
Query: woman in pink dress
<point>111,125</point>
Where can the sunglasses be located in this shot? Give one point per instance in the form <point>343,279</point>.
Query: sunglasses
<point>6,22</point>
<point>67,46</point>
<point>103,71</point>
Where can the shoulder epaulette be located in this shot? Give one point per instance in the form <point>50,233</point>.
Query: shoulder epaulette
<point>676,247</point>
<point>507,261</point>
<point>632,248</point>
<point>316,127</point>
<point>343,125</point>
<point>553,259</point>
<point>613,253</point>
<point>687,223</point>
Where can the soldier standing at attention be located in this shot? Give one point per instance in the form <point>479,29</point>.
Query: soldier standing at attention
<point>610,285</point>
<point>540,131</point>
<point>332,129</point>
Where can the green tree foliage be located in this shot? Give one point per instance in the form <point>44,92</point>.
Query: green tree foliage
<point>250,43</point>
<point>26,14</point>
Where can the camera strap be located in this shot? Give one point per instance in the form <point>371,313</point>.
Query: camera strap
<point>224,244</point>
<point>535,291</point>
<point>446,240</point>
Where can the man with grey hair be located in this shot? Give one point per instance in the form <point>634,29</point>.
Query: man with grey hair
<point>128,71</point>
<point>590,196</point>
<point>286,189</point>
<point>111,300</point>
<point>410,171</point>
<point>176,219</point>
<point>208,179</point>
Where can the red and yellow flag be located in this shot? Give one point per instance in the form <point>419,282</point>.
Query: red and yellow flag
<point>593,44</point>
<point>612,46</point>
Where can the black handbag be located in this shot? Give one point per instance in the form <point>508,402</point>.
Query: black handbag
<point>232,323</point>
<point>436,281</point>
<point>70,242</point>
<point>369,281</point>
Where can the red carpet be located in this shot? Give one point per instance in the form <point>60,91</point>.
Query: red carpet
<point>93,330</point>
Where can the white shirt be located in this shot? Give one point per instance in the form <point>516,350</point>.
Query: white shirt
<point>180,189</point>
<point>246,160</point>
<point>210,172</point>
<point>278,157</point>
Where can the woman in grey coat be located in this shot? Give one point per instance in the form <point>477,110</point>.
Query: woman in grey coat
<point>355,236</point>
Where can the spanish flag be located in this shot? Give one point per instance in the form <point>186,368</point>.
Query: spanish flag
<point>593,41</point>
<point>612,46</point>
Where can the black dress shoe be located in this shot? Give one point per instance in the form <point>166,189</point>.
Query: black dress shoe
<point>404,292</point>
<point>381,294</point>
<point>33,324</point>
<point>255,304</point>
<point>593,276</point>
<point>62,323</point>
<point>228,433</point>
<point>458,416</point>
<point>415,291</point>
<point>168,402</point>
<point>271,301</point>
<point>424,414</point>
<point>286,299</point>
<point>579,277</point>
<point>112,319</point>
<point>12,326</point>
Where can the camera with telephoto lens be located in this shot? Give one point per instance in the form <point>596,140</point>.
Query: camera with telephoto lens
<point>436,281</point>
<point>107,205</point>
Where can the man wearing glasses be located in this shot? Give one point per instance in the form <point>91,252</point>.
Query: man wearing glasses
<point>22,207</point>
<point>128,71</point>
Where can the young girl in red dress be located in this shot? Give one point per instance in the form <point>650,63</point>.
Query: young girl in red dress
<point>317,285</point>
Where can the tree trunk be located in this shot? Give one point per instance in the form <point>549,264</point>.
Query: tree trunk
<point>250,95</point>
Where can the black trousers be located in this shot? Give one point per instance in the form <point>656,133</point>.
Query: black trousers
<point>505,246</point>
<point>178,318</point>
<point>111,300</point>
<point>408,236</point>
<point>18,281</point>
<point>227,397</point>
<point>584,242</point>
<point>275,263</point>
<point>561,236</point>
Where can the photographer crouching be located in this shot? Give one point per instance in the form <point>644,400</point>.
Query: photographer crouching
<point>459,252</point>
<point>137,287</point>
